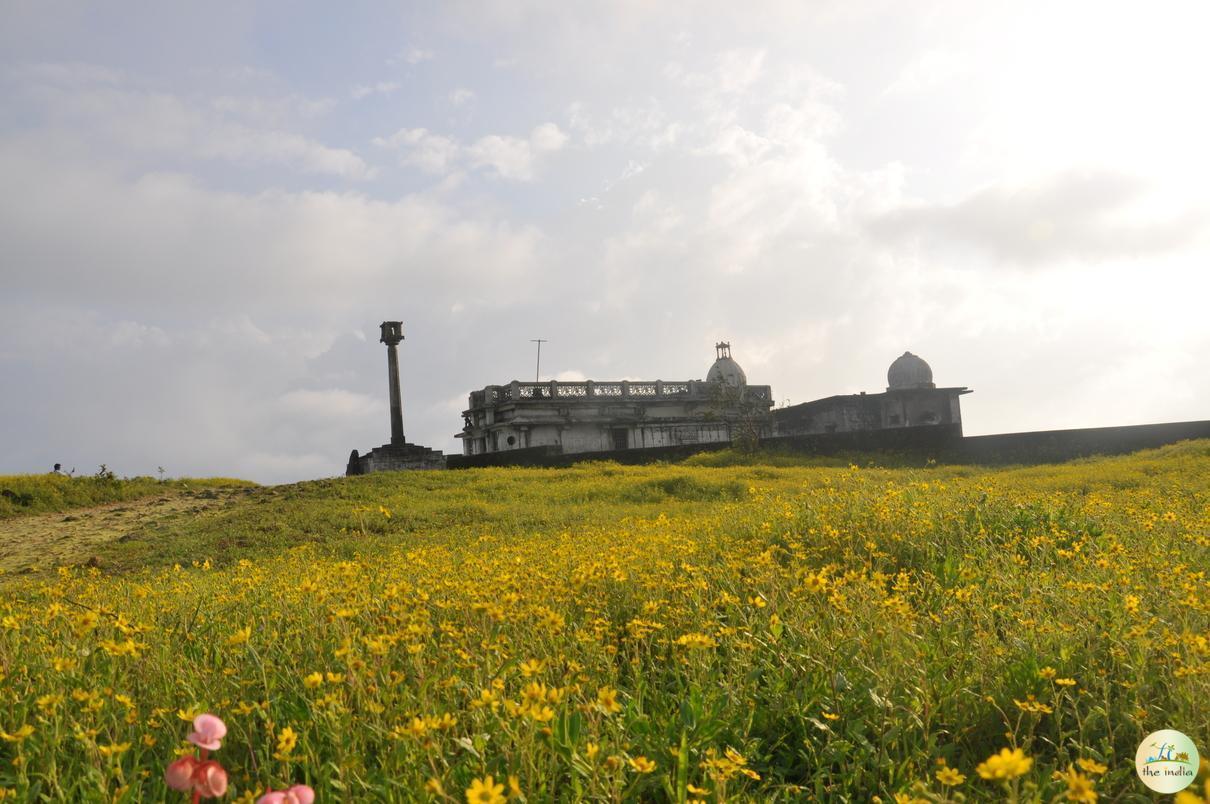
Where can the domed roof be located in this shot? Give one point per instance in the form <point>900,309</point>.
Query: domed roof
<point>725,369</point>
<point>909,371</point>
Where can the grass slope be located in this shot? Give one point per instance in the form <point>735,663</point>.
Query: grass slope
<point>27,495</point>
<point>741,633</point>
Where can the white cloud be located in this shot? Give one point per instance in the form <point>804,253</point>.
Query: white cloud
<point>329,404</point>
<point>1082,215</point>
<point>416,55</point>
<point>507,157</point>
<point>380,88</point>
<point>926,72</point>
<point>461,96</point>
<point>746,175</point>
<point>431,153</point>
<point>148,122</point>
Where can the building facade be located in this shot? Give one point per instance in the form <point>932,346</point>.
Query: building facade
<point>911,400</point>
<point>600,416</point>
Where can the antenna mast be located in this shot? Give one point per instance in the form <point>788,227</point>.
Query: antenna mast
<point>538,367</point>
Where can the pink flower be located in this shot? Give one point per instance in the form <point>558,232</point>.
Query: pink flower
<point>179,774</point>
<point>209,779</point>
<point>208,732</point>
<point>298,794</point>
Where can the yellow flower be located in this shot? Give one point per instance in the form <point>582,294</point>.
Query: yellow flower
<point>642,764</point>
<point>949,777</point>
<point>49,702</point>
<point>607,700</point>
<point>542,714</point>
<point>696,641</point>
<point>113,749</point>
<point>591,751</point>
<point>1091,765</point>
<point>485,791</point>
<point>314,680</point>
<point>433,787</point>
<point>1189,797</point>
<point>19,735</point>
<point>697,791</point>
<point>1047,672</point>
<point>1079,786</point>
<point>240,637</point>
<point>287,738</point>
<point>1008,764</point>
<point>1065,682</point>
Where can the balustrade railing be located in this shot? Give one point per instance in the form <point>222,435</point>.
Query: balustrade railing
<point>582,391</point>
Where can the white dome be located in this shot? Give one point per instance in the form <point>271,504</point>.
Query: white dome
<point>909,371</point>
<point>726,370</point>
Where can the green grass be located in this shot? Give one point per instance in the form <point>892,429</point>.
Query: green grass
<point>24,495</point>
<point>839,629</point>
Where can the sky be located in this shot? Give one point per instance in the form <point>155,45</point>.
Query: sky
<point>208,208</point>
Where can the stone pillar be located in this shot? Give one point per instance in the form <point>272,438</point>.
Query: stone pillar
<point>392,334</point>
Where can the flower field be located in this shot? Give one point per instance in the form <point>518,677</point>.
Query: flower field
<point>605,633</point>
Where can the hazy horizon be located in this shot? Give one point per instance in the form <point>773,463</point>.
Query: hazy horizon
<point>210,208</point>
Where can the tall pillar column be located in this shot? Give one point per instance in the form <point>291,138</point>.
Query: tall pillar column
<point>392,334</point>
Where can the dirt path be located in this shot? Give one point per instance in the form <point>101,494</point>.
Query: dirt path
<point>34,543</point>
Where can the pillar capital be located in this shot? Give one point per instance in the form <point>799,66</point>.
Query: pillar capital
<point>392,332</point>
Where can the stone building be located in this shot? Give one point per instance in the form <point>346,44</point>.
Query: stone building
<point>911,400</point>
<point>598,416</point>
<point>398,454</point>
<point>555,418</point>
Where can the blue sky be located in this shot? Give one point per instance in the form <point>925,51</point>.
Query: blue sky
<point>210,207</point>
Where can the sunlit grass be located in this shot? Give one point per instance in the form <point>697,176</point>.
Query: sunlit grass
<point>659,633</point>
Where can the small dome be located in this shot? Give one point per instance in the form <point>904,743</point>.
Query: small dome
<point>725,369</point>
<point>909,371</point>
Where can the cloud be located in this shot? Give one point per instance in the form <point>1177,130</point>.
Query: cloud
<point>418,148</point>
<point>461,96</point>
<point>380,88</point>
<point>330,403</point>
<point>1078,214</point>
<point>925,72</point>
<point>507,157</point>
<point>166,238</point>
<point>186,254</point>
<point>147,122</point>
<point>413,55</point>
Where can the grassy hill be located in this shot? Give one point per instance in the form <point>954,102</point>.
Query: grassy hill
<point>674,632</point>
<point>27,495</point>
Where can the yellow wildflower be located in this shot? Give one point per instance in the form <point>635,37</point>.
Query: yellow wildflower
<point>642,764</point>
<point>1091,765</point>
<point>485,791</point>
<point>1079,786</point>
<point>950,777</point>
<point>607,700</point>
<point>287,738</point>
<point>1008,764</point>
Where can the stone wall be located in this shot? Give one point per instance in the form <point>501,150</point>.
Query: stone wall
<point>1063,445</point>
<point>943,442</point>
<point>395,458</point>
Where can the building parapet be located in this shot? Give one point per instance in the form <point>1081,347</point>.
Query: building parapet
<point>589,390</point>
